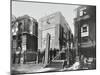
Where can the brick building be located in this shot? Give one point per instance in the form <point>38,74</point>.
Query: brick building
<point>85,31</point>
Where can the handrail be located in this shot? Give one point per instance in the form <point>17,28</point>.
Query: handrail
<point>57,55</point>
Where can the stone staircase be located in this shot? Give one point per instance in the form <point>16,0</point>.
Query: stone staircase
<point>56,64</point>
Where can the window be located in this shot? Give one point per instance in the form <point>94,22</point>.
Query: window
<point>20,26</point>
<point>83,11</point>
<point>85,30</point>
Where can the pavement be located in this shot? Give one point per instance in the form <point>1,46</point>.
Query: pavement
<point>26,68</point>
<point>39,68</point>
<point>31,68</point>
<point>36,68</point>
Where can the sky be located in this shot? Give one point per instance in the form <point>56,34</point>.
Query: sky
<point>39,10</point>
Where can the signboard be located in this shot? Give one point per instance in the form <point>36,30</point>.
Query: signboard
<point>84,34</point>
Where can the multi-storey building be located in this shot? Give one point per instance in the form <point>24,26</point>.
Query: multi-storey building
<point>85,31</point>
<point>26,38</point>
<point>14,30</point>
<point>59,30</point>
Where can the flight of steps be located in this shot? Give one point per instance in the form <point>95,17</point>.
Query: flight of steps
<point>55,64</point>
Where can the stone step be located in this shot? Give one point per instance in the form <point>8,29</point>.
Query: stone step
<point>55,65</point>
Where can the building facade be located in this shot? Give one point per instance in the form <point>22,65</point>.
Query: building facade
<point>25,39</point>
<point>60,34</point>
<point>85,31</point>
